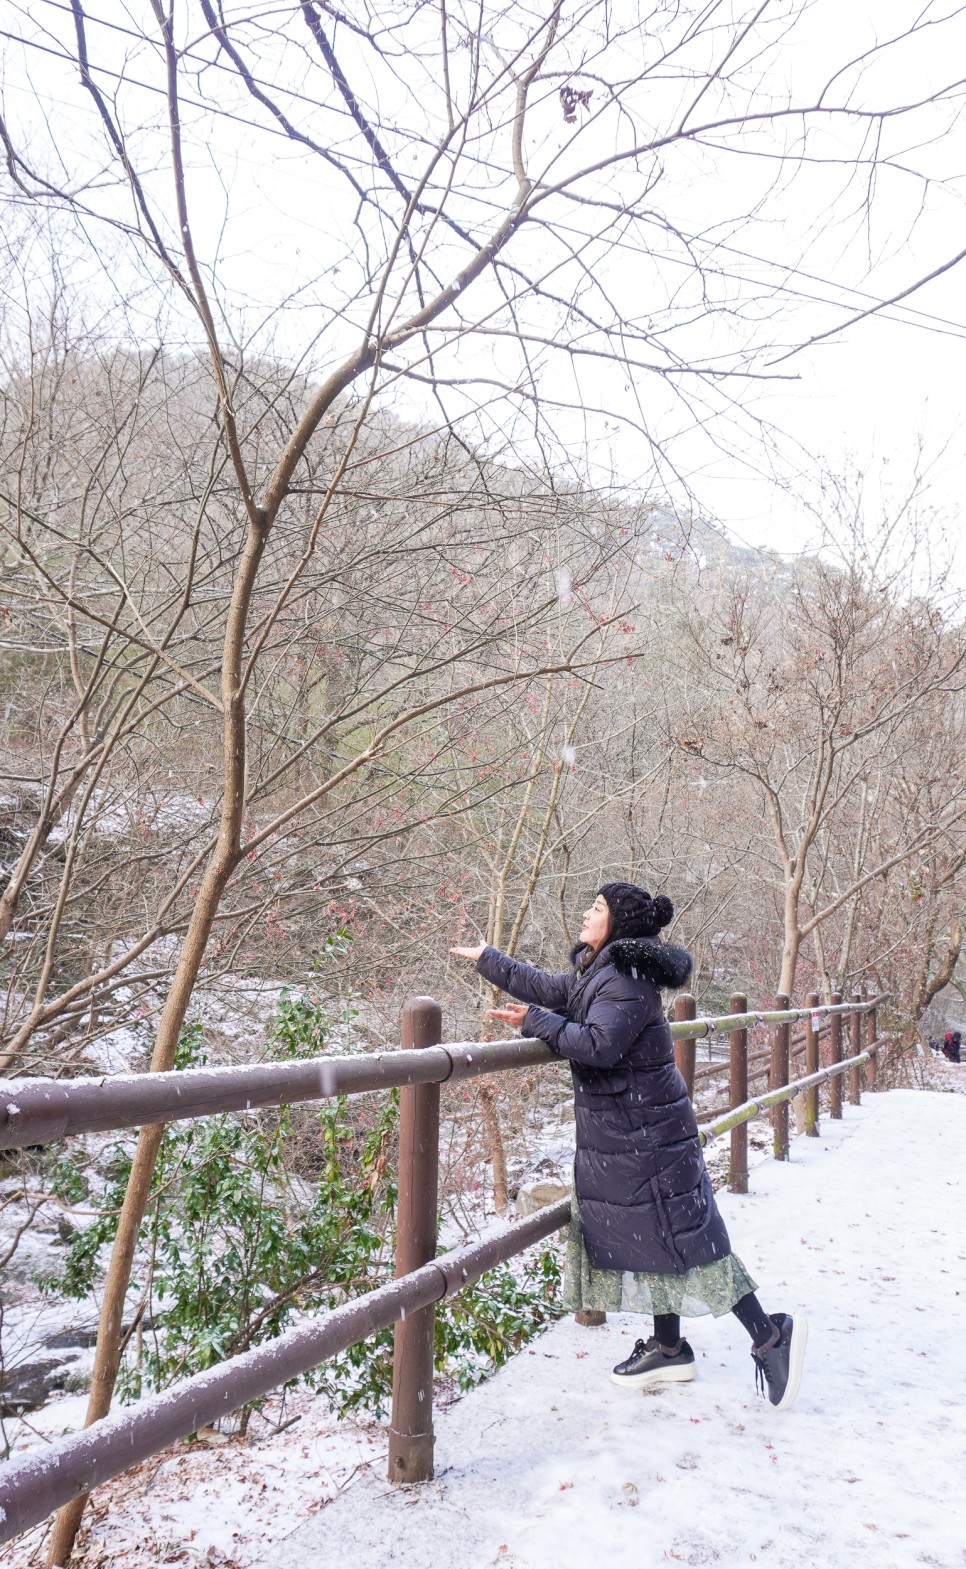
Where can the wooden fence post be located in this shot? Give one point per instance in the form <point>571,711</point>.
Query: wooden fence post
<point>685,1007</point>
<point>811,1066</point>
<point>871,1037</point>
<point>835,1055</point>
<point>855,1043</point>
<point>411,1428</point>
<point>738,1052</point>
<point>778,1078</point>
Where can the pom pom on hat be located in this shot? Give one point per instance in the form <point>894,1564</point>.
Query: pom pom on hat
<point>633,912</point>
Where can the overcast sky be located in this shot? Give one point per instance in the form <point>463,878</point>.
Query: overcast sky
<point>883,396</point>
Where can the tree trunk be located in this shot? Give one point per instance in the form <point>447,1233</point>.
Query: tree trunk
<point>213,884</point>
<point>494,1134</point>
<point>786,984</point>
<point>107,1354</point>
<point>932,985</point>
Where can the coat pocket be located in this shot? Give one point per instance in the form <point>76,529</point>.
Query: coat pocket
<point>603,1083</point>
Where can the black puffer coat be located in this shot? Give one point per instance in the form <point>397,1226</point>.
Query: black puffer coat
<point>642,1187</point>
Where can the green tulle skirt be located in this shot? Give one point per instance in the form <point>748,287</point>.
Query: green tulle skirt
<point>707,1288</point>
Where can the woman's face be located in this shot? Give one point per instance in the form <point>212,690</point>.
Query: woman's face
<point>596,923</point>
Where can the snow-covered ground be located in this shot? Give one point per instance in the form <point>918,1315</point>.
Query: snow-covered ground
<point>548,1465</point>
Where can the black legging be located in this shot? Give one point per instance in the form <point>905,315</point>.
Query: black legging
<point>749,1312</point>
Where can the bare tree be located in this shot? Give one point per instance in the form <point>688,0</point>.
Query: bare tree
<point>816,683</point>
<point>909,938</point>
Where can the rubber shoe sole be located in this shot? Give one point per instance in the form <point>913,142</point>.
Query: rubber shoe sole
<point>796,1361</point>
<point>682,1374</point>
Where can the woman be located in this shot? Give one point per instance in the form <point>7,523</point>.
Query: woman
<point>647,1236</point>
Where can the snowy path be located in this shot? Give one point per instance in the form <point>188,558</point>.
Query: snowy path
<point>549,1466</point>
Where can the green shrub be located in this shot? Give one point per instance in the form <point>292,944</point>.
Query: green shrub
<point>236,1248</point>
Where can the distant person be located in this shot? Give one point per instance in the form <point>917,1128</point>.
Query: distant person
<point>646,1235</point>
<point>952,1043</point>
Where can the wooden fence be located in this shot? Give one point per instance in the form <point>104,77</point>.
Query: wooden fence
<point>39,1111</point>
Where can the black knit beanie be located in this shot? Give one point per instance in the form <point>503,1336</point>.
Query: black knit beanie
<point>633,912</point>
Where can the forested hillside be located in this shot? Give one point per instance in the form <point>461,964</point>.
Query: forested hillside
<point>483,692</point>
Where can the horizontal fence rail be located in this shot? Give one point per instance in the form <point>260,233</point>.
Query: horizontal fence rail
<point>37,1111</point>
<point>34,1485</point>
<point>753,1108</point>
<point>697,1029</point>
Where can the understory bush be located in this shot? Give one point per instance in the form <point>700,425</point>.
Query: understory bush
<point>237,1246</point>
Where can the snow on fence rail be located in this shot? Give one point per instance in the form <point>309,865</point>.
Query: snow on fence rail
<point>38,1111</point>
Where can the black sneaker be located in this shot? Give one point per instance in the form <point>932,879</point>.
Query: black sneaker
<point>778,1363</point>
<point>649,1363</point>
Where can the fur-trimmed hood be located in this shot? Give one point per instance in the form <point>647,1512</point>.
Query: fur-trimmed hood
<point>658,962</point>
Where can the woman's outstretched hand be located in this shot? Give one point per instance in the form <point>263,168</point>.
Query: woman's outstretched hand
<point>512,1013</point>
<point>469,953</point>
